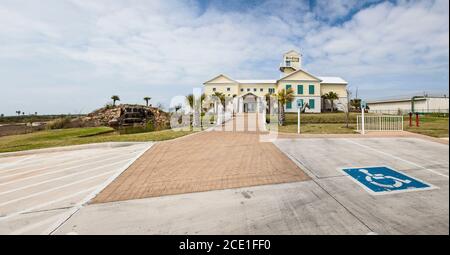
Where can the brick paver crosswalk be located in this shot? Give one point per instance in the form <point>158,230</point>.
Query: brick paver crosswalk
<point>202,162</point>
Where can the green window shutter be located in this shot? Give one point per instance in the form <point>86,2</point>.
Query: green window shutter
<point>288,105</point>
<point>288,86</point>
<point>300,89</point>
<point>312,103</point>
<point>311,89</point>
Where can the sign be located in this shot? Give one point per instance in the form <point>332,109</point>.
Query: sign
<point>381,180</point>
<point>363,104</point>
<point>299,103</point>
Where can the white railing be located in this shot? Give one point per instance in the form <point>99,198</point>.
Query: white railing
<point>380,123</point>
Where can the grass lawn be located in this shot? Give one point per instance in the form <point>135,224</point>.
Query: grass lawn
<point>429,125</point>
<point>323,123</point>
<point>319,128</point>
<point>73,136</point>
<point>337,117</point>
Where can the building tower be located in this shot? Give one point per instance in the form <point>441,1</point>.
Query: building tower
<point>292,61</point>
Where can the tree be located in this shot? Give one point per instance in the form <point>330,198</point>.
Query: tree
<point>331,96</point>
<point>221,97</point>
<point>146,99</point>
<point>284,96</point>
<point>18,112</point>
<point>190,99</point>
<point>115,98</point>
<point>355,103</point>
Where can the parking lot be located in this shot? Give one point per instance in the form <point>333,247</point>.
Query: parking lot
<point>329,203</point>
<point>39,191</point>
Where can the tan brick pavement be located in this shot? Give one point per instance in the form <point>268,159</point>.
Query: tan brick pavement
<point>202,162</point>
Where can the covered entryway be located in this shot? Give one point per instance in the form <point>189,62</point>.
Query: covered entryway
<point>249,101</point>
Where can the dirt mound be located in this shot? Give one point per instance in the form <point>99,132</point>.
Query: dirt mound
<point>127,115</point>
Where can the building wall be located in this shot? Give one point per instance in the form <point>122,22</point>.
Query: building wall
<point>317,104</point>
<point>420,105</point>
<point>391,107</point>
<point>436,104</point>
<point>340,90</point>
<point>250,88</point>
<point>222,88</point>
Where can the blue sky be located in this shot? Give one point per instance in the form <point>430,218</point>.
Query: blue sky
<point>70,56</point>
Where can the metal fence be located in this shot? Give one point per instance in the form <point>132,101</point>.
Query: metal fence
<point>380,123</point>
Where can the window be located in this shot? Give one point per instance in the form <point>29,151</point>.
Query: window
<point>288,105</point>
<point>254,89</point>
<point>312,103</point>
<point>288,63</point>
<point>214,89</point>
<point>248,89</point>
<point>261,90</point>
<point>242,90</point>
<point>271,90</point>
<point>288,86</point>
<point>300,89</point>
<point>311,89</point>
<point>228,89</point>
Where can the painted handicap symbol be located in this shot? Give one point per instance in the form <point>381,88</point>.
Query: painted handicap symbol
<point>384,180</point>
<point>372,178</point>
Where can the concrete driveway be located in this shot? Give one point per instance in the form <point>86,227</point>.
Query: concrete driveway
<point>329,203</point>
<point>40,189</point>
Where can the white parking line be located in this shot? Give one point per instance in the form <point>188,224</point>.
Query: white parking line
<point>56,171</point>
<point>53,189</point>
<point>17,162</point>
<point>60,178</point>
<point>94,193</point>
<point>45,204</point>
<point>395,157</point>
<point>58,164</point>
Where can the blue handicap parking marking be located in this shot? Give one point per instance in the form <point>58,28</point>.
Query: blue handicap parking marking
<point>382,180</point>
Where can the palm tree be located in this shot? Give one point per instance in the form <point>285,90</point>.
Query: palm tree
<point>115,98</point>
<point>284,96</point>
<point>146,99</point>
<point>18,112</point>
<point>190,99</point>
<point>221,97</point>
<point>331,96</point>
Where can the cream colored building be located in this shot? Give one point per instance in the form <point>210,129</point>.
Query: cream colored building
<point>307,87</point>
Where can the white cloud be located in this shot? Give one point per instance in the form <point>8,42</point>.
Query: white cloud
<point>111,46</point>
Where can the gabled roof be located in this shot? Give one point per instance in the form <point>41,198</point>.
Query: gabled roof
<point>221,75</point>
<point>297,71</point>
<point>292,51</point>
<point>332,79</point>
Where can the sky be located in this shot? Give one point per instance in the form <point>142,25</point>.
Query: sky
<point>71,56</point>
